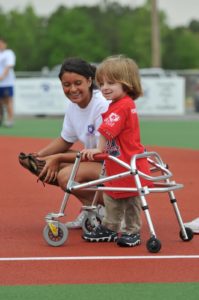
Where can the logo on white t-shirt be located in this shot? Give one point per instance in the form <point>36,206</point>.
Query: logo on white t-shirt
<point>91,128</point>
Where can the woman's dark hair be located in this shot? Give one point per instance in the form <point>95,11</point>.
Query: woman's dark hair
<point>79,66</point>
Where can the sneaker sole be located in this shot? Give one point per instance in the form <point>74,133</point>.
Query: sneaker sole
<point>125,244</point>
<point>98,240</point>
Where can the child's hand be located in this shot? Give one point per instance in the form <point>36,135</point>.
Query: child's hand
<point>89,153</point>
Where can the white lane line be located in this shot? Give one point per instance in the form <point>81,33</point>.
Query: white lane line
<point>68,258</point>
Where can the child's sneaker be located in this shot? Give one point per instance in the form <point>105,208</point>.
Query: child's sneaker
<point>100,234</point>
<point>129,240</point>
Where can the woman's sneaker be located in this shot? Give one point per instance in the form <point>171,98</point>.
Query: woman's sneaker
<point>77,223</point>
<point>101,210</point>
<point>100,234</point>
<point>129,240</point>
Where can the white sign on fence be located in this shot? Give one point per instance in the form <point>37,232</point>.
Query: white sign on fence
<point>44,96</point>
<point>162,96</point>
<point>39,96</point>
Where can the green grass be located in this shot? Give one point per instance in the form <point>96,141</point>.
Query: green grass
<point>34,127</point>
<point>139,291</point>
<point>171,133</point>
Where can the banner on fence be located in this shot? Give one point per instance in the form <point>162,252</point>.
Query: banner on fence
<point>44,96</point>
<point>39,96</point>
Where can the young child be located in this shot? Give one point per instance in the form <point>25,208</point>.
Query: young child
<point>119,81</point>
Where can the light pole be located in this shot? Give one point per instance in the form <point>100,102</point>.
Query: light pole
<point>155,37</point>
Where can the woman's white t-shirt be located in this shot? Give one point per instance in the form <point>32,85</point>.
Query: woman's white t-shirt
<point>81,124</point>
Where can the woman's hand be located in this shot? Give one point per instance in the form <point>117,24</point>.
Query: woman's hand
<point>51,168</point>
<point>89,153</point>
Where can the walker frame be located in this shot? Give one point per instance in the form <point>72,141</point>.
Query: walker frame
<point>56,233</point>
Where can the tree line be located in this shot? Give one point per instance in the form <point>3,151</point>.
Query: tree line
<point>95,32</point>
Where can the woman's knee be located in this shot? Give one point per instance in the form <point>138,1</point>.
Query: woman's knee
<point>85,173</point>
<point>88,171</point>
<point>62,178</point>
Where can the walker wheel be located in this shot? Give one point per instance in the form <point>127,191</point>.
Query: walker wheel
<point>153,245</point>
<point>90,223</point>
<point>57,240</point>
<point>189,233</point>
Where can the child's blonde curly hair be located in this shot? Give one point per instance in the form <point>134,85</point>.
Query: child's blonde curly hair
<point>121,69</point>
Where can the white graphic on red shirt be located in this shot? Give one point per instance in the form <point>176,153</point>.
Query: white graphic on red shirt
<point>112,119</point>
<point>133,111</point>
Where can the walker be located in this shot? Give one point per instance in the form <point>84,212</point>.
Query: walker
<point>55,233</point>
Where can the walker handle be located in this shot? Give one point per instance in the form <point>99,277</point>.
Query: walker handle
<point>101,156</point>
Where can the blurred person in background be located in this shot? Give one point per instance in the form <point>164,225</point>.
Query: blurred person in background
<point>1,113</point>
<point>7,79</point>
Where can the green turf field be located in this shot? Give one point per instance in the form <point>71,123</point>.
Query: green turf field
<point>139,291</point>
<point>179,133</point>
<point>171,133</point>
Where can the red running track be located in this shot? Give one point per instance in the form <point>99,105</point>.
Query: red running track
<point>25,258</point>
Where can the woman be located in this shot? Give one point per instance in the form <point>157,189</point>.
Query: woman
<point>81,121</point>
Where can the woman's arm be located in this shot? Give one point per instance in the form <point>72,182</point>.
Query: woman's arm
<point>55,153</point>
<point>58,145</point>
<point>54,163</point>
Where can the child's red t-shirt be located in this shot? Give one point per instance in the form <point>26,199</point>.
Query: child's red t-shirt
<point>121,129</point>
